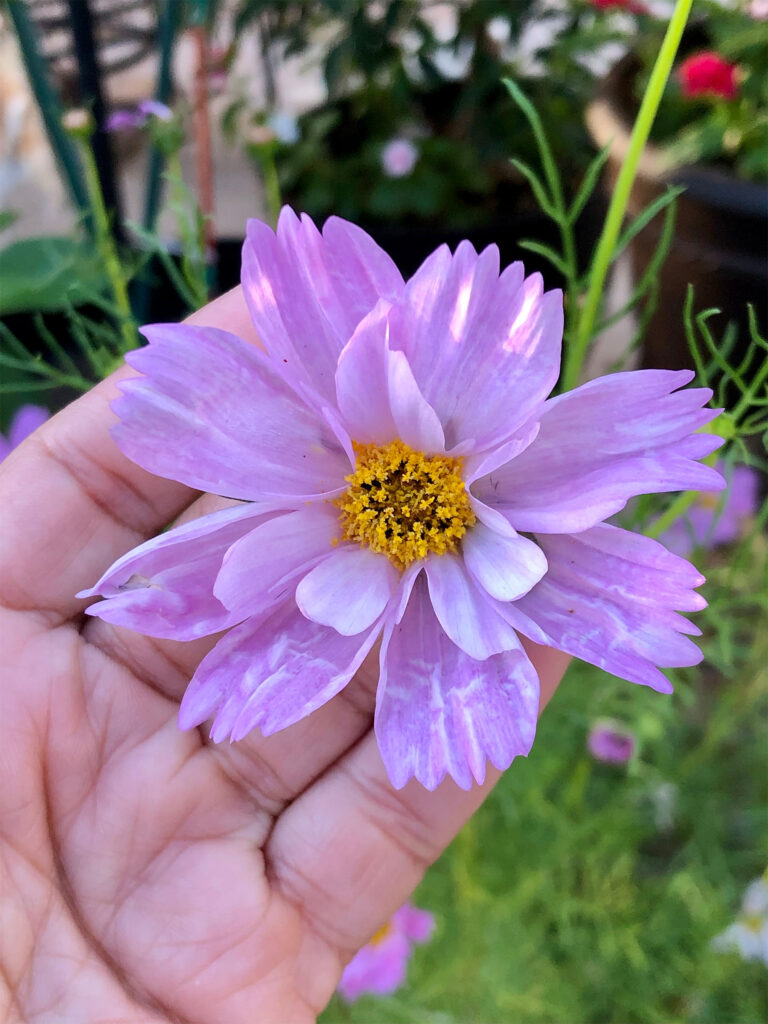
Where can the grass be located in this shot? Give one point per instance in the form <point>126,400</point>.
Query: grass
<point>583,893</point>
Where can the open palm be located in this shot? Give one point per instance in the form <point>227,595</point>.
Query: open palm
<point>147,874</point>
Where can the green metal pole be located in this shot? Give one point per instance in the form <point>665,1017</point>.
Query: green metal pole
<point>50,108</point>
<point>167,22</point>
<point>166,30</point>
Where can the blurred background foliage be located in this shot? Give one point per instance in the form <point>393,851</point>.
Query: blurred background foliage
<point>390,73</point>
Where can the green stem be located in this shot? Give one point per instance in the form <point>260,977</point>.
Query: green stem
<point>679,507</point>
<point>272,186</point>
<point>264,154</point>
<point>166,29</point>
<point>751,391</point>
<point>107,249</point>
<point>191,227</point>
<point>618,205</point>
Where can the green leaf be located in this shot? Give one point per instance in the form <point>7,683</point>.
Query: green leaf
<point>7,217</point>
<point>46,274</point>
<point>646,216</point>
<point>548,253</point>
<point>588,184</point>
<point>650,276</point>
<point>538,187</point>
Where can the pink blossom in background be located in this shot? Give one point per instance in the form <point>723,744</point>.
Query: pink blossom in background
<point>122,120</point>
<point>405,479</point>
<point>154,108</point>
<point>380,967</point>
<point>611,742</point>
<point>398,158</point>
<point>758,10</point>
<point>631,6</point>
<point>708,74</point>
<point>715,520</point>
<point>25,421</point>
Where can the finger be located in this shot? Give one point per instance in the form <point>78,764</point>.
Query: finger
<point>72,502</point>
<point>352,848</point>
<point>271,770</point>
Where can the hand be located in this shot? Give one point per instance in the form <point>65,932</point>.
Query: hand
<point>147,874</point>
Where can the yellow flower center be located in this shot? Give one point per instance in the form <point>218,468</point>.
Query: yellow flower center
<point>405,504</point>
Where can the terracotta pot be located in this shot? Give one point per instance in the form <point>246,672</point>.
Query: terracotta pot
<point>721,231</point>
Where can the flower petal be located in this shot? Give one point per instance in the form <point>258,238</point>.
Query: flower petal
<point>416,421</point>
<point>348,590</point>
<point>377,394</point>
<point>307,292</point>
<point>212,413</point>
<point>440,712</point>
<point>483,463</point>
<point>484,349</point>
<point>505,567</point>
<point>378,967</point>
<point>271,673</point>
<point>413,922</point>
<point>164,587</point>
<point>598,446</point>
<point>609,597</point>
<point>270,557</point>
<point>26,420</point>
<point>464,612</point>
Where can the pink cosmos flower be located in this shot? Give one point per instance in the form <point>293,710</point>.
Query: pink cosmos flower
<point>154,108</point>
<point>405,479</point>
<point>380,967</point>
<point>398,158</point>
<point>121,120</point>
<point>26,420</point>
<point>708,74</point>
<point>716,520</point>
<point>632,6</point>
<point>610,742</point>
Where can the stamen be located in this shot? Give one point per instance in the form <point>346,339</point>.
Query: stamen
<point>405,504</point>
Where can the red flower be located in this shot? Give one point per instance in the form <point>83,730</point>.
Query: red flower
<point>625,5</point>
<point>707,74</point>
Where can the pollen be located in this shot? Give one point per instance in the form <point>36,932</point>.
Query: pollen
<point>405,504</point>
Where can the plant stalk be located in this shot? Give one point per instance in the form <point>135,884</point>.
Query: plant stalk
<point>106,246</point>
<point>618,206</point>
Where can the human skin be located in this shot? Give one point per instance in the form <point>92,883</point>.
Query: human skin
<point>148,875</point>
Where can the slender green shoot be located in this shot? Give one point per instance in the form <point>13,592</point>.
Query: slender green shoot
<point>107,249</point>
<point>575,352</point>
